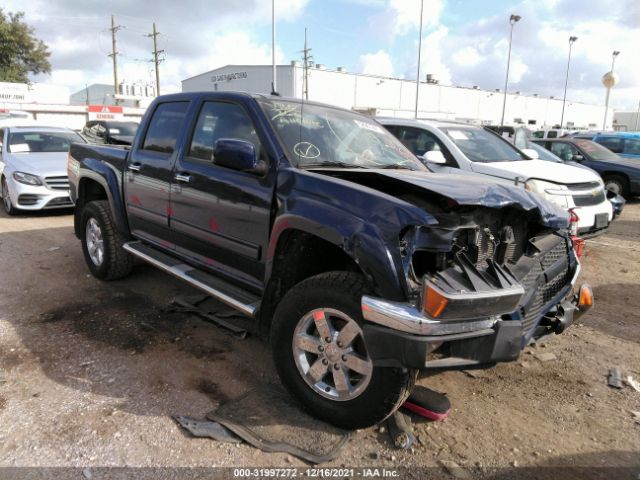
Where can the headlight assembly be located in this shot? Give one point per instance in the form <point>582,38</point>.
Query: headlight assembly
<point>557,194</point>
<point>26,178</point>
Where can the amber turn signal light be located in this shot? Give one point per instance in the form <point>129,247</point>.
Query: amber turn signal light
<point>434,302</point>
<point>585,297</point>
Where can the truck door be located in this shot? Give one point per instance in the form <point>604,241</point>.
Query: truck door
<point>147,179</point>
<point>220,217</point>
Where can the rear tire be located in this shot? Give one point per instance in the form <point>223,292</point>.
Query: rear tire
<point>617,184</point>
<point>102,243</point>
<point>6,199</point>
<point>335,381</point>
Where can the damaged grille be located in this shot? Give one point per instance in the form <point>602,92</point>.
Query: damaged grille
<point>541,289</point>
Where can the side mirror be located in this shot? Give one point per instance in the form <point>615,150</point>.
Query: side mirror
<point>577,158</point>
<point>433,156</point>
<point>531,153</point>
<point>238,155</point>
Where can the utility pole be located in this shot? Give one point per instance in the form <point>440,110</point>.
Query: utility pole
<point>419,51</point>
<point>114,52</point>
<point>156,62</point>
<point>572,39</point>
<point>306,57</point>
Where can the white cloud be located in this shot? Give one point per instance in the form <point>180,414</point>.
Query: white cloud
<point>405,14</point>
<point>468,56</point>
<point>378,63</point>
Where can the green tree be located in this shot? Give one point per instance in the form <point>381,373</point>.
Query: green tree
<point>21,52</point>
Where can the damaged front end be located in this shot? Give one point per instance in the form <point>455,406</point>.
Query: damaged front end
<point>482,283</point>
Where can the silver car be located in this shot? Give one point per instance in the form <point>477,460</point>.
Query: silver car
<point>33,167</point>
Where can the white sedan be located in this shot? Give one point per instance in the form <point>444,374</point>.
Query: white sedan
<point>33,167</point>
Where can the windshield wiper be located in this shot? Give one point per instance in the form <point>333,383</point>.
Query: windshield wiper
<point>330,164</point>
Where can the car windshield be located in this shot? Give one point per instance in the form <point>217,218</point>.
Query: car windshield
<point>595,151</point>
<point>315,135</point>
<point>478,145</point>
<point>127,129</point>
<point>34,141</point>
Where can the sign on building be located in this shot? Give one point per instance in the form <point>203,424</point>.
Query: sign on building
<point>105,112</point>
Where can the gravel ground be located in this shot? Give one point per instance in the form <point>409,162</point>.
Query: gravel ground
<point>90,374</point>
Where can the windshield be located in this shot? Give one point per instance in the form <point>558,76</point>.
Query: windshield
<point>316,135</point>
<point>127,129</point>
<point>595,151</point>
<point>40,142</point>
<point>478,145</point>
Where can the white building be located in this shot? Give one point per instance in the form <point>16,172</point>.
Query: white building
<point>396,97</point>
<point>129,95</point>
<point>50,105</point>
<point>627,121</point>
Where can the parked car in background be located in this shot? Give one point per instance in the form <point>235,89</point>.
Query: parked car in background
<point>451,147</point>
<point>625,144</point>
<point>33,167</point>
<point>319,226</point>
<point>109,132</point>
<point>552,133</point>
<point>620,175</point>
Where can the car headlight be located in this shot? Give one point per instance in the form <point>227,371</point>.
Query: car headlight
<point>557,194</point>
<point>26,178</point>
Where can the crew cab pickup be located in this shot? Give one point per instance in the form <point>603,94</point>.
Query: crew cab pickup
<point>361,265</point>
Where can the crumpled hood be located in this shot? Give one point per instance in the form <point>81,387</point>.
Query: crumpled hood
<point>475,190</point>
<point>544,170</point>
<point>41,164</point>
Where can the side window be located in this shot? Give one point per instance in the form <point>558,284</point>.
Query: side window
<point>565,151</point>
<point>552,134</point>
<point>612,143</point>
<point>164,127</point>
<point>631,146</point>
<point>221,120</point>
<point>417,140</point>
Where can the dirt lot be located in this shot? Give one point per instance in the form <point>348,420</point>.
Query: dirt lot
<point>91,372</point>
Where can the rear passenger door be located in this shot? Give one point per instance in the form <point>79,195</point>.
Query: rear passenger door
<point>221,217</point>
<point>147,177</point>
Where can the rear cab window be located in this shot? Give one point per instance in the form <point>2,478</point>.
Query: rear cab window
<point>164,127</point>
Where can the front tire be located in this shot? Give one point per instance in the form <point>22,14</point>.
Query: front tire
<point>617,184</point>
<point>321,357</point>
<point>6,199</point>
<point>102,243</point>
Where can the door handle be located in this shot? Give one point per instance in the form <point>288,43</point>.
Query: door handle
<point>134,167</point>
<point>182,177</point>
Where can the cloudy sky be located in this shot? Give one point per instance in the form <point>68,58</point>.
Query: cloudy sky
<point>464,41</point>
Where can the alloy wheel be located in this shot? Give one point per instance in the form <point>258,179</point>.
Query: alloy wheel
<point>329,351</point>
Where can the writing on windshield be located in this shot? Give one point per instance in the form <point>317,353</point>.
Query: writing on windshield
<point>315,135</point>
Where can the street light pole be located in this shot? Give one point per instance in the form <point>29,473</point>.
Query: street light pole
<point>566,79</point>
<point>419,52</point>
<point>274,87</point>
<point>513,19</point>
<point>609,81</point>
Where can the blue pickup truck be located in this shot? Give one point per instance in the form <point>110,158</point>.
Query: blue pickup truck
<point>360,265</point>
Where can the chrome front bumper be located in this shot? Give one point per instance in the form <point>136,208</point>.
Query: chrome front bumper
<point>406,318</point>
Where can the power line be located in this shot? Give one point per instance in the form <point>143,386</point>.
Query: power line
<point>114,53</point>
<point>156,61</point>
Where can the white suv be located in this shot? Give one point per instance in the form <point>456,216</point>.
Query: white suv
<point>449,147</point>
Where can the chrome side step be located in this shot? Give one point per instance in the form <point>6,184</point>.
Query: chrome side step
<point>235,297</point>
